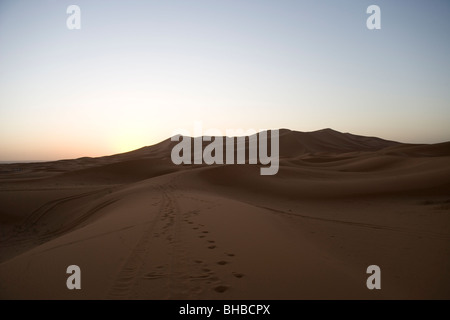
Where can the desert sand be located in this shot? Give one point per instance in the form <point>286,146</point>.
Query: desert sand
<point>140,227</point>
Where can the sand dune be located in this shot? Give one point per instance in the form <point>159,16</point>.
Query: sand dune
<point>140,227</point>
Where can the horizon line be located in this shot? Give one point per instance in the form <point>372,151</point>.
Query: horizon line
<point>23,161</point>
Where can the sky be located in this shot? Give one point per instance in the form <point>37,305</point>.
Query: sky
<point>137,71</point>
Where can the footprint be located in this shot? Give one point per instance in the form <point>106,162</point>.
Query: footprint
<point>211,241</point>
<point>205,232</point>
<point>221,289</point>
<point>201,236</point>
<point>230,254</point>
<point>211,247</point>
<point>237,275</point>
<point>222,262</point>
<point>198,261</point>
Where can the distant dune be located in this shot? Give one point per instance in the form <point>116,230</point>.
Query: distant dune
<point>141,227</point>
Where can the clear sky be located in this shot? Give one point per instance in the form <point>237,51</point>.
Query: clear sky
<point>138,70</point>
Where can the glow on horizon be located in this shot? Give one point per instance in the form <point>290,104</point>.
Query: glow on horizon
<point>137,71</point>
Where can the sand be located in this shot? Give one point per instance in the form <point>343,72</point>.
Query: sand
<point>140,227</point>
